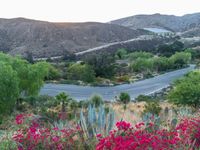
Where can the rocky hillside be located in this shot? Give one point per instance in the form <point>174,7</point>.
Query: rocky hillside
<point>45,39</point>
<point>169,22</point>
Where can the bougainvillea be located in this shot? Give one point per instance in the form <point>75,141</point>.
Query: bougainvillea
<point>33,135</point>
<point>186,135</point>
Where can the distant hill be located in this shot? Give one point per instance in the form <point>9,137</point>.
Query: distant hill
<point>45,39</point>
<point>169,22</point>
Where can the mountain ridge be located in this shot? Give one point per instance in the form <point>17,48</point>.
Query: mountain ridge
<point>169,22</point>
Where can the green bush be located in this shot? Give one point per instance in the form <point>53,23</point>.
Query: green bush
<point>53,73</point>
<point>152,107</point>
<point>79,71</point>
<point>143,98</point>
<point>124,98</point>
<point>186,90</point>
<point>96,100</point>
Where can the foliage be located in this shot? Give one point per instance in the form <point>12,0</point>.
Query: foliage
<point>9,87</point>
<point>135,55</point>
<point>152,107</point>
<point>170,49</point>
<point>148,65</point>
<point>195,53</point>
<point>142,65</point>
<point>186,91</point>
<point>180,59</point>
<point>64,99</point>
<point>96,121</point>
<point>33,134</point>
<point>96,100</point>
<point>83,72</point>
<point>143,98</point>
<point>53,74</point>
<point>104,65</point>
<point>30,77</point>
<point>121,53</point>
<point>161,64</point>
<point>124,98</point>
<point>150,136</point>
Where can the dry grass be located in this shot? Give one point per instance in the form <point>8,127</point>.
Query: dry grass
<point>134,111</point>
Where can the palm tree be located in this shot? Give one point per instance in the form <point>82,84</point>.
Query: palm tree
<point>64,98</point>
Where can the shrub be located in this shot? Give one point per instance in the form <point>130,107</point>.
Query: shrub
<point>145,136</point>
<point>152,107</point>
<point>96,100</point>
<point>124,98</point>
<point>186,91</point>
<point>33,134</point>
<point>143,98</point>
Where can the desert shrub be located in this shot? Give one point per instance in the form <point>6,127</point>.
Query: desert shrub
<point>124,78</point>
<point>152,107</point>
<point>121,53</point>
<point>143,98</point>
<point>96,100</point>
<point>124,98</point>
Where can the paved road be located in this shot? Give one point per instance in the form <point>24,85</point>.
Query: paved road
<point>147,86</point>
<point>142,37</point>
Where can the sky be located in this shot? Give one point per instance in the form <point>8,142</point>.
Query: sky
<point>93,10</point>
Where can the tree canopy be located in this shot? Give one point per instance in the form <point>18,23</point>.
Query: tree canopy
<point>19,78</point>
<point>79,71</point>
<point>186,91</point>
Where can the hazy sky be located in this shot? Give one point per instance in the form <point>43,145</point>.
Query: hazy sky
<point>92,10</point>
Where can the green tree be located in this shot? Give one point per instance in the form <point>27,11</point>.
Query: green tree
<point>30,76</point>
<point>186,91</point>
<point>121,53</point>
<point>180,59</point>
<point>160,64</point>
<point>170,49</point>
<point>64,99</point>
<point>103,65</point>
<point>9,87</point>
<point>53,74</point>
<point>135,55</point>
<point>124,98</point>
<point>83,72</point>
<point>142,65</point>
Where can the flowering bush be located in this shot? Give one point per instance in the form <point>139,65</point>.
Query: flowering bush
<point>34,135</point>
<point>186,135</point>
<point>31,134</point>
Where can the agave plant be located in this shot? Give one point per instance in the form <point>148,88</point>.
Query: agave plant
<point>96,120</point>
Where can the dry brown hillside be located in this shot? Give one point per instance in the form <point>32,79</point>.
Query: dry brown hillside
<point>45,39</point>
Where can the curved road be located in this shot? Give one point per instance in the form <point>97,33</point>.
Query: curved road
<point>147,86</point>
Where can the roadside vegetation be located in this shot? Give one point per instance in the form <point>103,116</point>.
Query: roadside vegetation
<point>124,66</point>
<point>32,121</point>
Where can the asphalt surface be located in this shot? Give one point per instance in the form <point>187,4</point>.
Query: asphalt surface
<point>147,86</point>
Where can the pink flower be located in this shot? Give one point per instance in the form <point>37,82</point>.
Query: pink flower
<point>19,119</point>
<point>55,138</point>
<point>123,125</point>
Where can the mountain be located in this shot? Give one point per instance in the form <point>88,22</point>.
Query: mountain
<point>46,39</point>
<point>169,22</point>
